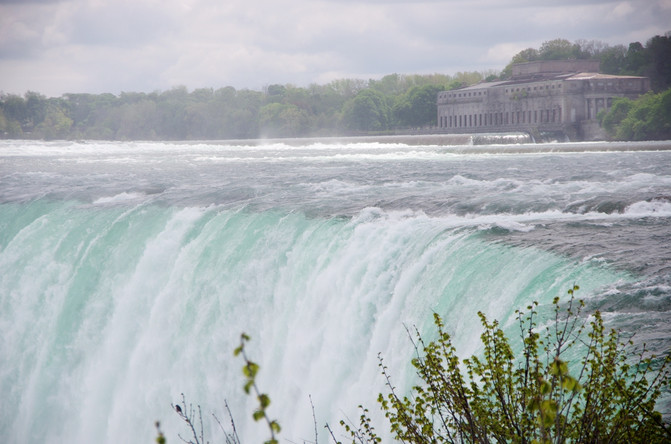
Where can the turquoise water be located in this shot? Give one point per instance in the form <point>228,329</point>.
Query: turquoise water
<point>130,270</point>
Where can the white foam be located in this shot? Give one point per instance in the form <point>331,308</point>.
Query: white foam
<point>515,226</point>
<point>119,198</point>
<point>653,208</point>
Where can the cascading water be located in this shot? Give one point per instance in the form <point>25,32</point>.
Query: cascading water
<point>130,270</point>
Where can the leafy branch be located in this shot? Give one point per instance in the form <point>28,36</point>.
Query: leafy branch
<point>250,370</point>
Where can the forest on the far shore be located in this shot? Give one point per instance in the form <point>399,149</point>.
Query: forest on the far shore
<point>396,103</point>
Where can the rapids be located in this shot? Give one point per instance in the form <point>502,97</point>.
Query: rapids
<point>129,270</point>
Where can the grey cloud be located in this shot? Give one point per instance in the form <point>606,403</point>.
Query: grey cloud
<point>24,2</point>
<point>146,45</point>
<point>127,27</point>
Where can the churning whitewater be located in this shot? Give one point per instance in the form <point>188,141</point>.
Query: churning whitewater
<point>129,270</point>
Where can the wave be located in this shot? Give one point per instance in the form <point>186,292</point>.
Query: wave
<point>440,144</point>
<point>120,198</point>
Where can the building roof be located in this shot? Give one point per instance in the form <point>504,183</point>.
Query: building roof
<point>546,68</point>
<point>598,76</point>
<point>546,78</point>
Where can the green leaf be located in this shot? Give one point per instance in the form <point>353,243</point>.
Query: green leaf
<point>571,384</point>
<point>258,415</point>
<point>264,400</point>
<point>275,426</point>
<point>558,367</point>
<point>248,386</point>
<point>250,370</point>
<point>546,387</point>
<point>549,407</point>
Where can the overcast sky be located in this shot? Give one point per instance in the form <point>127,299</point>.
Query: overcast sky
<point>59,46</point>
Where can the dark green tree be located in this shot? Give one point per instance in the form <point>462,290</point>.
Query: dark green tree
<point>559,49</point>
<point>368,111</point>
<point>612,60</point>
<point>636,60</point>
<point>417,107</point>
<point>616,114</point>
<point>658,51</point>
<point>648,119</point>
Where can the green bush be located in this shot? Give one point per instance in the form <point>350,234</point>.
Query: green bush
<point>530,396</point>
<point>646,118</point>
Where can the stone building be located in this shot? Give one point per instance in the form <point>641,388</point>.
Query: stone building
<point>544,96</point>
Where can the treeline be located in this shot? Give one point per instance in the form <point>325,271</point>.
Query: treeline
<point>347,106</point>
<point>394,103</point>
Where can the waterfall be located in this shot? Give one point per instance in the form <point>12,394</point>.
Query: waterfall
<point>112,309</point>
